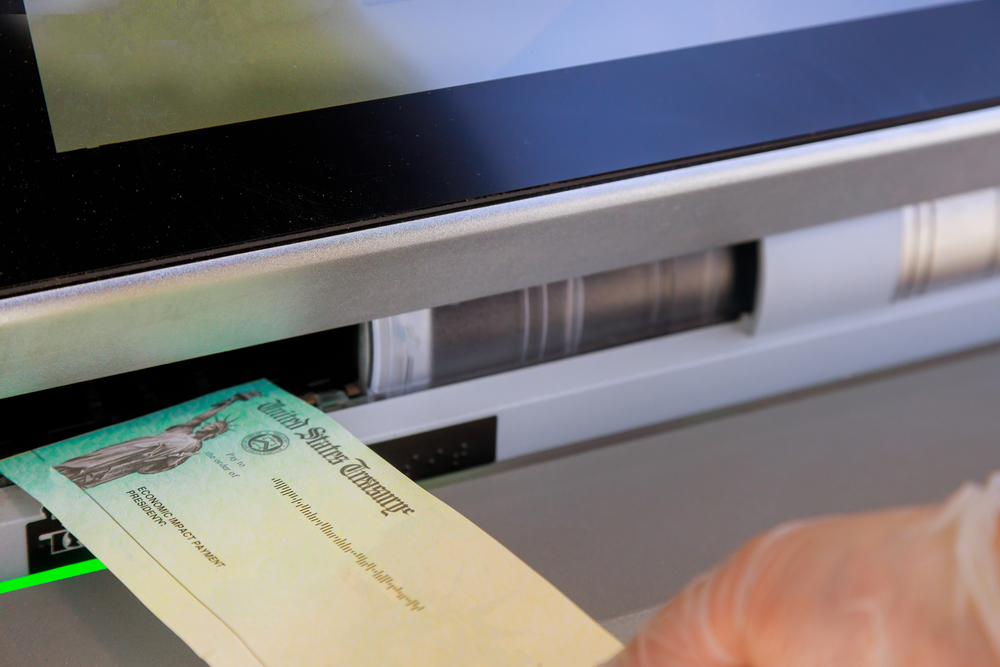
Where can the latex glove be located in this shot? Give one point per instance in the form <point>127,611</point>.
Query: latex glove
<point>916,587</point>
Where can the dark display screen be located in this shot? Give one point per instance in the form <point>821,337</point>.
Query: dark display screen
<point>133,204</point>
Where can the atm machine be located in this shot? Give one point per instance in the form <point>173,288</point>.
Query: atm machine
<point>623,284</point>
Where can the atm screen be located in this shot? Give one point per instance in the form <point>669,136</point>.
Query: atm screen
<point>119,71</point>
<point>157,134</point>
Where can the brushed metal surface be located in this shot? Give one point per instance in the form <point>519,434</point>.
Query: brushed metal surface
<point>112,326</point>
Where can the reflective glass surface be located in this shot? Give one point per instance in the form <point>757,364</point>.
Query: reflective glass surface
<point>181,195</point>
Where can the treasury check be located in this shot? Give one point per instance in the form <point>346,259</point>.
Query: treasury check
<point>263,533</point>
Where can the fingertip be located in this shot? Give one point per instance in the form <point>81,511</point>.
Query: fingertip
<point>692,630</point>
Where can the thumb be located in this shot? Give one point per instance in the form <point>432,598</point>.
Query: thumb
<point>699,627</point>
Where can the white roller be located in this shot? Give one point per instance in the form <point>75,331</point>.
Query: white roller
<point>950,240</point>
<point>828,271</point>
<point>401,352</point>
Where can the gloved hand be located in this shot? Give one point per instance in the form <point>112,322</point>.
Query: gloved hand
<point>913,587</point>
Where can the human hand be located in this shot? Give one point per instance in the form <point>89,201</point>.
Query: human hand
<point>917,586</point>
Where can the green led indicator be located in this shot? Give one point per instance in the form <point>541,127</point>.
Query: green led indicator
<point>56,574</point>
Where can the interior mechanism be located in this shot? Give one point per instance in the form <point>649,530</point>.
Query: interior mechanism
<point>498,333</point>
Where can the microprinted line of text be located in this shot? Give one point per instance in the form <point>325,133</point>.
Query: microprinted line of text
<point>344,545</point>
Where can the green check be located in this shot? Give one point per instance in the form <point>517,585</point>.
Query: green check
<point>263,533</point>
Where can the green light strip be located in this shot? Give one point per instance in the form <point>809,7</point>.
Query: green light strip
<point>64,572</point>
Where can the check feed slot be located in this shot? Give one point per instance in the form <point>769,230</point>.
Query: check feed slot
<point>323,363</point>
<point>452,343</point>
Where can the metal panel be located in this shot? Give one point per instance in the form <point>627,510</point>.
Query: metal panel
<point>117,325</point>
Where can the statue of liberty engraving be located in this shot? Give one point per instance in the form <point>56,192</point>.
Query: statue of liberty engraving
<point>152,453</point>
